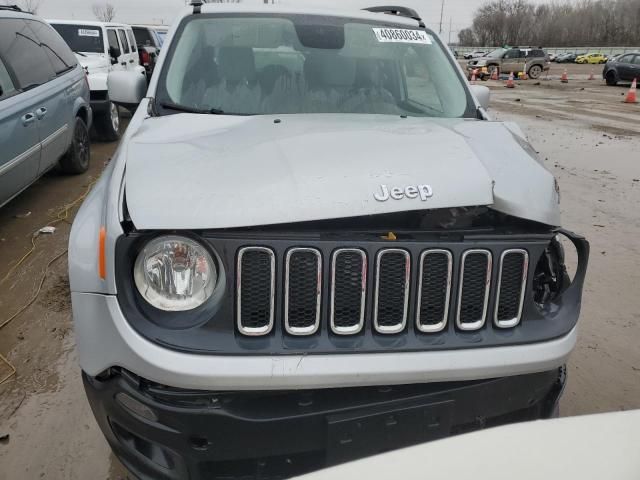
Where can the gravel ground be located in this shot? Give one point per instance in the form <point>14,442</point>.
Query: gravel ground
<point>584,134</point>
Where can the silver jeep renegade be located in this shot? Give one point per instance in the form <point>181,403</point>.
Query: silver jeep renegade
<point>313,245</point>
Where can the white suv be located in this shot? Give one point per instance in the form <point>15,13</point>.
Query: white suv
<point>102,48</point>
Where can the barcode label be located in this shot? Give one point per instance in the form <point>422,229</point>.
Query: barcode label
<point>402,35</point>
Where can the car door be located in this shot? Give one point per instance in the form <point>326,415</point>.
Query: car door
<point>113,41</point>
<point>634,68</point>
<point>624,67</point>
<point>54,112</point>
<point>128,54</point>
<point>134,47</point>
<point>511,61</point>
<point>23,66</point>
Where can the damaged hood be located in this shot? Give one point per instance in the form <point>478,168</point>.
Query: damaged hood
<point>191,171</point>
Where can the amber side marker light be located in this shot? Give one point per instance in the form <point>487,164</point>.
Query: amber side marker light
<point>102,264</point>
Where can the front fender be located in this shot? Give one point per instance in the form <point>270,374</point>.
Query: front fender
<point>98,81</point>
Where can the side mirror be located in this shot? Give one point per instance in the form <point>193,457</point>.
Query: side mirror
<point>126,88</point>
<point>482,94</point>
<point>114,53</point>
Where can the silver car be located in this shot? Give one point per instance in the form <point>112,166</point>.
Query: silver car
<point>312,245</point>
<point>44,104</point>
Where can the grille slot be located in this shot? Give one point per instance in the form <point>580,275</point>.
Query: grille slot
<point>514,265</point>
<point>255,290</point>
<point>473,297</point>
<point>303,286</point>
<point>348,290</point>
<point>393,267</point>
<point>434,290</point>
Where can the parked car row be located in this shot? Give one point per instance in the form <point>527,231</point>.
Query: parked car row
<point>574,57</point>
<point>54,82</point>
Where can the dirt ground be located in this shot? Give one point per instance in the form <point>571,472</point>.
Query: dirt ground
<point>585,135</point>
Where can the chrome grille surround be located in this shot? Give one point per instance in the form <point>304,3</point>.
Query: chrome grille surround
<point>478,324</point>
<point>385,329</point>
<point>437,327</point>
<point>510,323</point>
<point>313,328</point>
<point>250,331</point>
<point>351,330</point>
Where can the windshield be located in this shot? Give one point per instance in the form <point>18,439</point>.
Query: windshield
<point>496,53</point>
<point>81,38</point>
<point>305,64</point>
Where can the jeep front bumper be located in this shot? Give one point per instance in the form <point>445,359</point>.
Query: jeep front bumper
<point>160,432</point>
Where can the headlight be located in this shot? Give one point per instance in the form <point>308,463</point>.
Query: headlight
<point>175,274</point>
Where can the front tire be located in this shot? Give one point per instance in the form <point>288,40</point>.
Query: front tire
<point>534,72</point>
<point>76,159</point>
<point>611,78</point>
<point>107,124</point>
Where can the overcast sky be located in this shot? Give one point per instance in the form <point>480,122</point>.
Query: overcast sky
<point>459,12</point>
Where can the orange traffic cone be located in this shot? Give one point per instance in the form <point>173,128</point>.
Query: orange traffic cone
<point>474,74</point>
<point>494,73</point>
<point>525,76</point>
<point>510,83</point>
<point>591,77</point>
<point>631,94</point>
<point>564,78</point>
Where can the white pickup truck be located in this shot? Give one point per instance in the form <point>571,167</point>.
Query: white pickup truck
<point>101,48</point>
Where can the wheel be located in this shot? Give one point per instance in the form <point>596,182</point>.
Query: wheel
<point>108,124</point>
<point>491,68</point>
<point>76,159</point>
<point>611,78</point>
<point>535,71</point>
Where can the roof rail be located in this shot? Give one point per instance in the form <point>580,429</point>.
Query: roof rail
<point>14,8</point>
<point>397,10</point>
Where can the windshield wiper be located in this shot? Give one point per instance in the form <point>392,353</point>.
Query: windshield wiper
<point>187,109</point>
<point>79,53</point>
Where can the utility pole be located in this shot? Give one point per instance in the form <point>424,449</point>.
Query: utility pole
<point>441,12</point>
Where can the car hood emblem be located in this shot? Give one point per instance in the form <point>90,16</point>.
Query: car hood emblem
<point>423,192</point>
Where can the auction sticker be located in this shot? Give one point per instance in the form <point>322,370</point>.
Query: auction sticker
<point>83,32</point>
<point>402,35</point>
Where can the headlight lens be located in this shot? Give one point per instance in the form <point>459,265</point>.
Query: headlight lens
<point>175,274</point>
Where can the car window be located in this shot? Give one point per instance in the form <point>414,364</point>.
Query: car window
<point>511,54</point>
<point>81,38</point>
<point>143,36</point>
<point>536,54</point>
<point>112,37</point>
<point>636,60</point>
<point>61,57</point>
<point>7,88</point>
<point>132,41</point>
<point>20,48</point>
<point>124,41</point>
<point>306,64</point>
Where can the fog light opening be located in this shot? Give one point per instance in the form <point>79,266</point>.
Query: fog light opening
<point>134,406</point>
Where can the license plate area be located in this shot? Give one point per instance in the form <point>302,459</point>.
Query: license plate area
<point>355,435</point>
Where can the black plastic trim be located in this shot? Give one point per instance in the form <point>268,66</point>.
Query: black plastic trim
<point>258,434</point>
<point>216,333</point>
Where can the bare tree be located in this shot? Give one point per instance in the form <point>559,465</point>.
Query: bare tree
<point>105,12</point>
<point>577,24</point>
